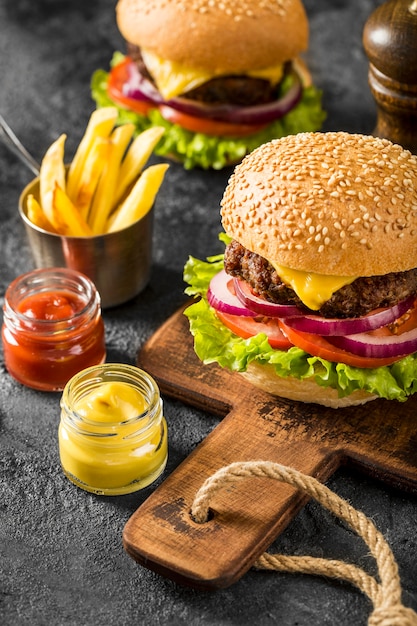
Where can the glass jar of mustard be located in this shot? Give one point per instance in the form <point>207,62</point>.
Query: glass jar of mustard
<point>112,434</point>
<point>52,327</point>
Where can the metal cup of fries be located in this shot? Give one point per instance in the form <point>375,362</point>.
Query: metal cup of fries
<point>118,263</point>
<point>96,214</point>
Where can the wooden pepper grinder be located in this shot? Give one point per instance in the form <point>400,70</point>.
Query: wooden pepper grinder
<point>390,42</point>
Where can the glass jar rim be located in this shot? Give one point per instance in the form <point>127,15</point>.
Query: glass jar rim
<point>91,378</point>
<point>44,280</point>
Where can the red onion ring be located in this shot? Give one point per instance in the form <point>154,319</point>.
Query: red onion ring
<point>262,306</point>
<point>140,88</point>
<point>350,326</point>
<point>221,296</point>
<point>364,344</point>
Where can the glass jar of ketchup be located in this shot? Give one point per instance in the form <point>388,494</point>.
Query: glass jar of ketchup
<point>52,327</point>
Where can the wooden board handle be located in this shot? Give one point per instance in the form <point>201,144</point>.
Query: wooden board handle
<point>246,519</point>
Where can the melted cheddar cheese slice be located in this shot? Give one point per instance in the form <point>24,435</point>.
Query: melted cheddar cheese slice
<point>173,79</point>
<point>312,289</point>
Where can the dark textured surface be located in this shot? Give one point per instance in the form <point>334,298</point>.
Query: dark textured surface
<point>62,561</point>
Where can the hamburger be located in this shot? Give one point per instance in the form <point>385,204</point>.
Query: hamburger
<point>221,77</point>
<point>314,298</point>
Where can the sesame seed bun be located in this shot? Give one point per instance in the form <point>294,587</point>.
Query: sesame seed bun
<point>331,203</point>
<point>231,35</point>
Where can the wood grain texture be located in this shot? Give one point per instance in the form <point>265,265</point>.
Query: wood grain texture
<point>390,42</point>
<point>380,437</point>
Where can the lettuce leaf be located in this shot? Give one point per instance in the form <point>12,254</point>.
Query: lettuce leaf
<point>205,151</point>
<point>213,342</point>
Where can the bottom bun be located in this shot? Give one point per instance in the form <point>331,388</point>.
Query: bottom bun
<point>306,390</point>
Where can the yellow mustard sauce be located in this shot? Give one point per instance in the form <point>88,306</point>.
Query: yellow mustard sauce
<point>112,434</point>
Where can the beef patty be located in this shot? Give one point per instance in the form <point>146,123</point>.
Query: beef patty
<point>237,90</point>
<point>359,298</point>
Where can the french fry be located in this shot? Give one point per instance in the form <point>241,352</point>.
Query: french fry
<point>67,216</point>
<point>36,215</point>
<point>140,199</point>
<point>136,158</point>
<point>94,165</point>
<point>103,201</point>
<point>103,175</point>
<point>52,172</point>
<point>100,124</point>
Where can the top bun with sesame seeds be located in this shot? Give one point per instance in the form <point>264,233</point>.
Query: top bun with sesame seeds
<point>330,203</point>
<point>231,36</point>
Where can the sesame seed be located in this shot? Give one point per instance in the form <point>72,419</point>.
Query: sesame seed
<point>300,197</point>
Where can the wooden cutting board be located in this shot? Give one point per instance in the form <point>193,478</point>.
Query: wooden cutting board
<point>380,437</point>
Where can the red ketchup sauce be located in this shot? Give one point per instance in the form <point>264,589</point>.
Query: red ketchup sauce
<point>52,327</point>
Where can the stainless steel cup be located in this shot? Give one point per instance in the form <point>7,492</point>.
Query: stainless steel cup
<point>118,263</point>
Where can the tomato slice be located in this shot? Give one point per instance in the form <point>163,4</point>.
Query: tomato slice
<point>206,125</point>
<point>316,345</point>
<point>118,76</point>
<point>246,327</point>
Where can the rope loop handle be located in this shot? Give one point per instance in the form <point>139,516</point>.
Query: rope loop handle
<point>385,595</point>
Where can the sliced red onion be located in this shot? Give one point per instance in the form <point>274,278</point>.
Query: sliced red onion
<point>261,306</point>
<point>257,114</point>
<point>140,88</point>
<point>352,325</point>
<point>221,296</point>
<point>364,344</point>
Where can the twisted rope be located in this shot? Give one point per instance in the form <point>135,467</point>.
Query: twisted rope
<point>385,596</point>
